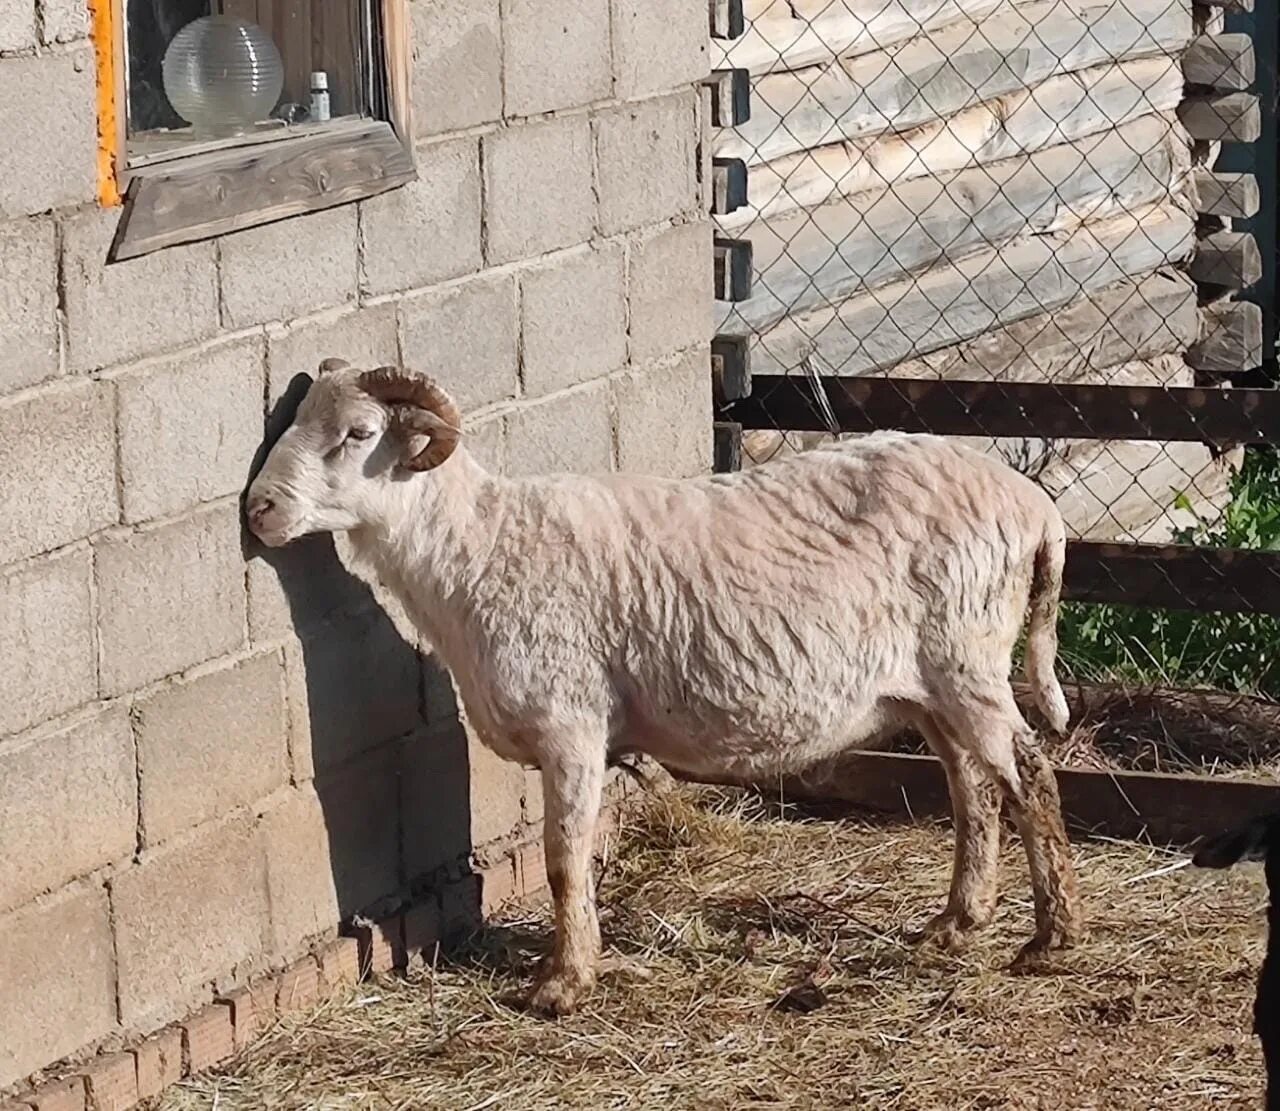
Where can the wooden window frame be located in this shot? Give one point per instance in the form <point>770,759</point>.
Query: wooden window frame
<point>201,196</point>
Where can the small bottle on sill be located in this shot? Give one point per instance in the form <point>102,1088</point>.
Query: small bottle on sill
<point>319,95</point>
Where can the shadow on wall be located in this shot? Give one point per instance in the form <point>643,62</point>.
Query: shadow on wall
<point>388,756</point>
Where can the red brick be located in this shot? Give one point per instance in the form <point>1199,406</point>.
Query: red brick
<point>113,1082</point>
<point>263,993</point>
<point>64,1095</point>
<point>381,946</point>
<point>340,964</point>
<point>209,1037</point>
<point>299,988</point>
<point>422,929</point>
<point>497,886</point>
<point>244,1023</point>
<point>158,1062</point>
<point>531,871</point>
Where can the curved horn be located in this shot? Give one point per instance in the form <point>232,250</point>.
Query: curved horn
<point>394,386</point>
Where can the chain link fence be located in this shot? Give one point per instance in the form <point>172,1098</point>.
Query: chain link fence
<point>915,198</point>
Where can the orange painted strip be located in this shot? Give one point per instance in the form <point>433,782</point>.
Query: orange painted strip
<point>104,14</point>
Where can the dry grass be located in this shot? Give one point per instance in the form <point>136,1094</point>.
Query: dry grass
<point>719,905</point>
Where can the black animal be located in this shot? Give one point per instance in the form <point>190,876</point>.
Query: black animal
<point>152,25</point>
<point>1258,840</point>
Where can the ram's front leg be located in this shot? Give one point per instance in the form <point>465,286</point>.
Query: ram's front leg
<point>572,786</point>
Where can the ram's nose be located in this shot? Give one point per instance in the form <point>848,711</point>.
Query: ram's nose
<point>257,508</point>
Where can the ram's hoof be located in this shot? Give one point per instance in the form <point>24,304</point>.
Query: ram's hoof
<point>558,994</point>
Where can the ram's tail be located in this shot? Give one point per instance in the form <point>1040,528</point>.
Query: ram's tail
<point>1042,634</point>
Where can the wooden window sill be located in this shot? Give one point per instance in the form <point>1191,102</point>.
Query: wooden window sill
<point>212,194</point>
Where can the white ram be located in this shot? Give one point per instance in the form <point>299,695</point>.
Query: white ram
<point>743,623</point>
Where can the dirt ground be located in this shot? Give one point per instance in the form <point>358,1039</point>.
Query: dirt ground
<point>715,905</point>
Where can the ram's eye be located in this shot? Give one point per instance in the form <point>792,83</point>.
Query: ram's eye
<point>360,434</point>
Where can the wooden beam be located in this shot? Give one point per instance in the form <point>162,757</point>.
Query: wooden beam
<point>1225,118</point>
<point>213,194</point>
<point>1220,61</point>
<point>731,362</point>
<point>1167,809</point>
<point>969,297</point>
<point>1207,580</point>
<point>1234,196</point>
<point>728,185</point>
<point>727,19</point>
<point>397,52</point>
<point>1229,259</point>
<point>820,257</point>
<point>730,97</point>
<point>733,269</point>
<point>727,450</point>
<point>1036,409</point>
<point>936,74</point>
<point>1232,340</point>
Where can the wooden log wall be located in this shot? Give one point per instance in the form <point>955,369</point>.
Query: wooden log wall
<point>1018,190</point>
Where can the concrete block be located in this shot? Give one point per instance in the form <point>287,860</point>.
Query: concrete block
<point>457,64</point>
<point>427,231</point>
<point>487,443</point>
<point>574,318</point>
<point>208,1037</point>
<point>288,268</point>
<point>47,663</point>
<point>299,988</point>
<point>571,433</point>
<point>17,25</point>
<point>114,313</point>
<point>158,1062</point>
<point>59,988</point>
<point>28,298</point>
<point>188,427</point>
<point>57,455</point>
<point>63,21</point>
<point>361,807</point>
<point>364,337</point>
<point>339,964</point>
<point>466,336</point>
<point>353,685</point>
<point>300,883</point>
<point>646,162</point>
<point>669,283</point>
<point>657,45</point>
<point>169,598</point>
<point>185,915</point>
<point>533,800</point>
<point>67,804</point>
<point>664,417</point>
<point>211,744</point>
<point>49,120</point>
<point>62,1095</point>
<point>497,788</point>
<point>539,194</point>
<point>555,54</point>
<point>112,1082</point>
<point>435,778</point>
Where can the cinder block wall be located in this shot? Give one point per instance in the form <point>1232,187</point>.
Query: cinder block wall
<point>209,757</point>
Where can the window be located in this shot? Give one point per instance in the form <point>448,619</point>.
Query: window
<point>216,115</point>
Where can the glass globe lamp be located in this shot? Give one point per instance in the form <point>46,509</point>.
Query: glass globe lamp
<point>222,75</point>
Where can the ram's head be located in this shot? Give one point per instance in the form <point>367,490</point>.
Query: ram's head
<point>357,435</point>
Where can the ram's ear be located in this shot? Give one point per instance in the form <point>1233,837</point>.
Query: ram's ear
<point>1247,842</point>
<point>329,365</point>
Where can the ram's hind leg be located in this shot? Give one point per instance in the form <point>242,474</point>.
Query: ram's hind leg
<point>987,724</point>
<point>975,808</point>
